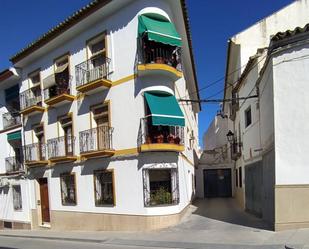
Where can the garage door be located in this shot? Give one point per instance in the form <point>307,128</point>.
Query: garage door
<point>217,183</point>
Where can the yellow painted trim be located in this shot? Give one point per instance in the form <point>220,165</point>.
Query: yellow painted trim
<point>63,159</point>
<point>292,186</point>
<point>132,151</point>
<point>94,84</point>
<point>162,147</point>
<point>59,98</point>
<point>36,163</point>
<point>31,109</point>
<point>163,67</point>
<point>123,80</point>
<point>98,153</point>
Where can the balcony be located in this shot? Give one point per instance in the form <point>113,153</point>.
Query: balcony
<point>35,154</point>
<point>59,93</point>
<point>96,142</point>
<point>93,75</point>
<point>13,165</point>
<point>11,120</point>
<point>31,102</point>
<point>61,149</point>
<point>161,138</point>
<point>156,58</point>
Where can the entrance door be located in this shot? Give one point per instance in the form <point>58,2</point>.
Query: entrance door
<point>44,200</point>
<point>217,183</point>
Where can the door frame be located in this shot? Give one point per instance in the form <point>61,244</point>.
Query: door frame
<point>41,218</point>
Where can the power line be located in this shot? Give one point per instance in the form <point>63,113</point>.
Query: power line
<point>217,100</point>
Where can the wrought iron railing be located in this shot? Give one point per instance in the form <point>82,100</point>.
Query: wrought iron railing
<point>28,98</point>
<point>35,152</point>
<point>11,119</point>
<point>93,69</point>
<point>161,134</point>
<point>99,138</point>
<point>160,54</point>
<point>61,146</point>
<point>58,88</point>
<point>13,164</point>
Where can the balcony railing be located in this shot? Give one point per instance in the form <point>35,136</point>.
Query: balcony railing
<point>96,139</point>
<point>10,119</point>
<point>160,54</point>
<point>61,147</point>
<point>91,70</point>
<point>28,99</point>
<point>35,152</point>
<point>161,134</point>
<point>58,88</point>
<point>13,164</point>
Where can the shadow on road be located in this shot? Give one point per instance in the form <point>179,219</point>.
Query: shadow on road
<point>227,210</point>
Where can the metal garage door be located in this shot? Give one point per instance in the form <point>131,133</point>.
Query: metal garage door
<point>217,183</point>
<point>254,187</point>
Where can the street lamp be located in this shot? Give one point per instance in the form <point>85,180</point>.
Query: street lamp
<point>230,136</point>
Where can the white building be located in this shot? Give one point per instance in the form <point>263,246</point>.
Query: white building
<point>14,192</point>
<point>268,135</point>
<point>107,145</point>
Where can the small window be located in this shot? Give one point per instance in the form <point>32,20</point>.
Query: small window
<point>236,177</point>
<point>17,200</point>
<point>35,78</point>
<point>240,177</point>
<point>100,114</point>
<point>161,187</point>
<point>248,117</point>
<point>104,188</point>
<point>68,191</point>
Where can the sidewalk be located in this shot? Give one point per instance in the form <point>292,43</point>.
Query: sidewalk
<point>197,231</point>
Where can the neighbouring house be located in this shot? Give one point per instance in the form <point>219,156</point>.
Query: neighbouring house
<point>14,194</point>
<point>266,131</point>
<point>106,144</point>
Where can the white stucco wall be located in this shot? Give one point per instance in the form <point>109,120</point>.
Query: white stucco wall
<point>258,35</point>
<point>126,110</point>
<point>291,113</point>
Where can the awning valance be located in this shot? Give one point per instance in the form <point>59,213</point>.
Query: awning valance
<point>14,136</point>
<point>49,81</point>
<point>164,109</point>
<point>158,30</point>
<point>60,69</point>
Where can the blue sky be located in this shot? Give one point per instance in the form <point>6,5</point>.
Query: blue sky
<point>212,23</point>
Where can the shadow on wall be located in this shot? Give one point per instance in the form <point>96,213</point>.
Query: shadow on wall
<point>228,211</point>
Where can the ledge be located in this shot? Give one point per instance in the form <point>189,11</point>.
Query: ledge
<point>160,67</point>
<point>31,164</point>
<point>162,147</point>
<point>32,110</point>
<point>91,86</point>
<point>98,153</point>
<point>60,98</point>
<point>63,159</point>
<point>10,128</point>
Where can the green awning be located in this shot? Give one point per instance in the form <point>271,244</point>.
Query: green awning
<point>14,136</point>
<point>164,109</point>
<point>158,30</point>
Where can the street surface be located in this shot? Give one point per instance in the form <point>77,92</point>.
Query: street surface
<point>212,224</point>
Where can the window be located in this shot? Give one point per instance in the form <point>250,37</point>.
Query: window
<point>240,177</point>
<point>236,177</point>
<point>160,187</point>
<point>17,201</point>
<point>62,76</point>
<point>97,50</point>
<point>35,78</point>
<point>67,126</point>
<point>104,188</point>
<point>68,192</point>
<point>248,118</point>
<point>39,133</point>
